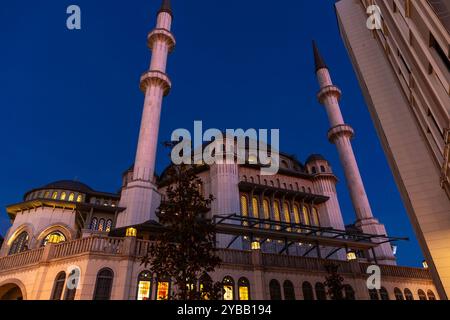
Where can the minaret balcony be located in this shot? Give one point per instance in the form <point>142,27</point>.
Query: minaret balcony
<point>157,78</point>
<point>339,131</point>
<point>161,35</point>
<point>329,91</point>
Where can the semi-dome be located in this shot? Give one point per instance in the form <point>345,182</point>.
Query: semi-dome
<point>316,157</point>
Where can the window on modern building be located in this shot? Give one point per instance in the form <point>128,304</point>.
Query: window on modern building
<point>274,290</point>
<point>255,207</point>
<point>422,295</point>
<point>244,289</point>
<point>71,288</point>
<point>306,220</point>
<point>398,294</point>
<point>373,294</point>
<point>71,197</point>
<point>228,288</point>
<point>431,295</point>
<point>288,289</point>
<point>20,243</point>
<point>58,286</point>
<point>63,196</point>
<point>321,293</point>
<point>144,286</point>
<point>307,289</point>
<point>101,225</point>
<point>94,223</point>
<point>349,292</point>
<point>384,295</point>
<point>408,294</point>
<point>53,237</point>
<point>108,225</point>
<point>163,290</point>
<point>103,284</point>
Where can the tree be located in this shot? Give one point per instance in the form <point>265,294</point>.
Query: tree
<point>334,282</point>
<point>185,250</point>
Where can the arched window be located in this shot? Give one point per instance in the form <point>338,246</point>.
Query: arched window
<point>47,195</point>
<point>422,295</point>
<point>349,292</point>
<point>228,288</point>
<point>315,217</point>
<point>314,170</point>
<point>266,209</point>
<point>276,213</point>
<point>79,198</point>
<point>321,293</point>
<point>54,237</point>
<point>58,286</point>
<point>373,294</point>
<point>20,244</point>
<point>103,284</point>
<point>408,294</point>
<point>296,215</point>
<point>55,195</point>
<point>163,290</point>
<point>289,292</point>
<point>255,207</point>
<point>307,289</point>
<point>94,223</point>
<point>244,289</point>
<point>275,290</point>
<point>72,197</point>
<point>101,225</point>
<point>384,295</point>
<point>431,295</point>
<point>244,206</point>
<point>322,169</point>
<point>70,292</point>
<point>205,282</point>
<point>144,287</point>
<point>287,214</point>
<point>108,225</point>
<point>306,220</point>
<point>63,196</point>
<point>398,294</point>
<point>296,186</point>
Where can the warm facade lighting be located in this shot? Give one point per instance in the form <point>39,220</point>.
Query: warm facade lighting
<point>425,264</point>
<point>256,245</point>
<point>54,239</point>
<point>131,232</point>
<point>351,256</point>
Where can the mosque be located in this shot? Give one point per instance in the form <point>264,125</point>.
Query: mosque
<point>274,233</point>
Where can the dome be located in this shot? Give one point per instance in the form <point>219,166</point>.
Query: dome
<point>69,185</point>
<point>316,157</point>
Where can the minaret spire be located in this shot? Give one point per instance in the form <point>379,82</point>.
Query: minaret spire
<point>341,134</point>
<point>139,195</point>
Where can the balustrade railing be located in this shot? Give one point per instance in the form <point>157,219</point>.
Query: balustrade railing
<point>21,259</point>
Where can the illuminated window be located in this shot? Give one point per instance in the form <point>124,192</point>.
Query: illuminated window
<point>431,295</point>
<point>277,217</point>
<point>101,225</point>
<point>162,293</point>
<point>308,293</point>
<point>55,195</point>
<point>20,244</point>
<point>296,215</point>
<point>255,207</point>
<point>206,284</point>
<point>289,292</point>
<point>228,289</point>
<point>72,197</point>
<point>63,196</point>
<point>306,220</point>
<point>244,208</point>
<point>94,224</point>
<point>47,195</point>
<point>287,215</point>
<point>144,286</point>
<point>108,225</point>
<point>315,217</point>
<point>398,294</point>
<point>275,290</point>
<point>422,295</point>
<point>244,289</point>
<point>321,293</point>
<point>54,237</point>
<point>58,286</point>
<point>103,284</point>
<point>79,198</point>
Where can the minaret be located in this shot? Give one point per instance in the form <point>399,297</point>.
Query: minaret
<point>139,196</point>
<point>341,134</point>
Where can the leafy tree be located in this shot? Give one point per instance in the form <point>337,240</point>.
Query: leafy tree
<point>185,250</point>
<point>334,282</point>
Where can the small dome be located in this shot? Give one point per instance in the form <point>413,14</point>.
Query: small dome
<point>69,185</point>
<point>316,157</point>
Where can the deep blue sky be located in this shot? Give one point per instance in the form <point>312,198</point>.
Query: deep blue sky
<point>71,105</point>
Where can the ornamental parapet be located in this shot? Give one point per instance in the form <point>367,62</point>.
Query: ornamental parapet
<point>327,91</point>
<point>157,78</point>
<point>339,131</point>
<point>162,35</point>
